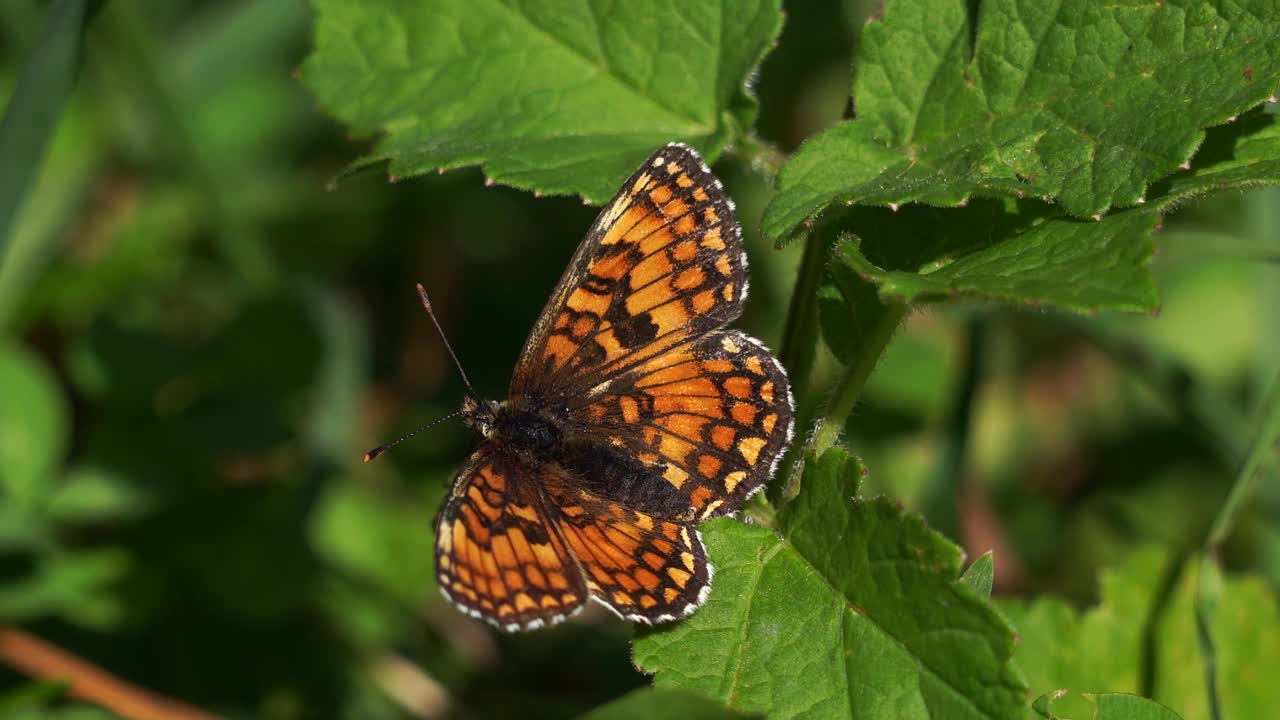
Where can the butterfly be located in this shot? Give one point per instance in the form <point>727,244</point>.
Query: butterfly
<point>633,415</point>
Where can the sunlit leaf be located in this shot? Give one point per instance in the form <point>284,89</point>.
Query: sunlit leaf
<point>1073,264</point>
<point>648,703</point>
<point>1108,706</point>
<point>1081,103</point>
<point>857,610</point>
<point>544,97</point>
<point>34,427</point>
<point>981,574</point>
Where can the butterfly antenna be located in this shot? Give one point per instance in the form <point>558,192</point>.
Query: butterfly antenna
<point>426,303</point>
<point>374,453</point>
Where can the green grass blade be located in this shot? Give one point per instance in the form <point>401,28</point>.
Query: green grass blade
<point>1262,449</point>
<point>37,100</point>
<point>1209,587</point>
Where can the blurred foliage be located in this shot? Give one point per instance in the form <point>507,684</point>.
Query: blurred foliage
<point>202,331</point>
<point>1104,706</point>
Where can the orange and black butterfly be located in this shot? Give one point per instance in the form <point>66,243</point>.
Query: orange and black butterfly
<point>633,415</point>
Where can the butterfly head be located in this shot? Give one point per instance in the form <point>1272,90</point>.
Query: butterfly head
<point>480,414</point>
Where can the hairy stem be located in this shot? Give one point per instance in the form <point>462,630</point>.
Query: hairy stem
<point>800,347</point>
<point>882,325</point>
<point>762,156</point>
<point>800,337</point>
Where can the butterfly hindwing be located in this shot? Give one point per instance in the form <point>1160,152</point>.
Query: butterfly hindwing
<point>497,557</point>
<point>710,419</point>
<point>662,264</point>
<point>644,568</point>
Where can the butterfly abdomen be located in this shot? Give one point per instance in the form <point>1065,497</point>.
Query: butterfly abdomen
<point>616,474</point>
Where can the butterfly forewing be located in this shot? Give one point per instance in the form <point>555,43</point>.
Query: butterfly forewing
<point>662,265</point>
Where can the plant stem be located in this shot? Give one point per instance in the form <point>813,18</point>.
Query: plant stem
<point>1247,481</point>
<point>800,348</point>
<point>940,496</point>
<point>32,656</point>
<point>758,511</point>
<point>800,337</point>
<point>763,157</point>
<point>856,373</point>
<point>1209,581</point>
<point>1207,584</point>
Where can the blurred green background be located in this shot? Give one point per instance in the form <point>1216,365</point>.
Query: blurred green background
<point>202,334</point>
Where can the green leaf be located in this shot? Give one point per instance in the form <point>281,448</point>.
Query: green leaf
<point>1244,622</point>
<point>75,585</point>
<point>847,306</point>
<point>1103,649</point>
<point>648,703</point>
<point>141,252</point>
<point>1110,706</point>
<point>30,696</point>
<point>856,610</point>
<point>1098,650</point>
<point>33,109</point>
<point>34,427</point>
<point>1086,104</point>
<point>21,531</point>
<point>389,543</point>
<point>45,700</point>
<point>981,574</point>
<point>1078,265</point>
<point>94,494</point>
<point>1240,155</point>
<point>50,209</point>
<point>548,97</point>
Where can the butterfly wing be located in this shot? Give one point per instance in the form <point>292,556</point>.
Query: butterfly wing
<point>708,421</point>
<point>498,556</point>
<point>661,265</point>
<point>644,568</point>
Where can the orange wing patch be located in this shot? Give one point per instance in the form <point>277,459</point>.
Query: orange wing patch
<point>643,568</point>
<point>711,418</point>
<point>662,264</point>
<point>496,556</point>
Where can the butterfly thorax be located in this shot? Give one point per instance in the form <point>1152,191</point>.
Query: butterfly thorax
<point>523,431</point>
